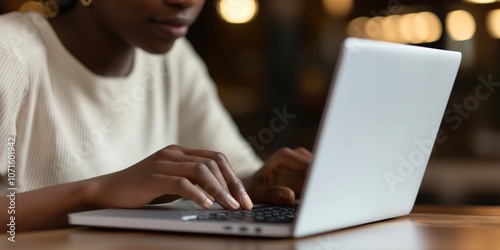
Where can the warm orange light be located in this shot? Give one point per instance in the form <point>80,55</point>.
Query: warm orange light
<point>237,11</point>
<point>390,30</point>
<point>460,25</point>
<point>406,28</point>
<point>423,27</point>
<point>428,27</point>
<point>338,8</point>
<point>480,1</point>
<point>493,23</point>
<point>356,27</point>
<point>374,28</point>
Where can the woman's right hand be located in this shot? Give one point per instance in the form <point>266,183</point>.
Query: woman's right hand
<point>175,171</point>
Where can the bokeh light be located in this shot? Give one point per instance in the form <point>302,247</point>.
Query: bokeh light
<point>493,23</point>
<point>338,8</point>
<point>237,11</point>
<point>423,27</point>
<point>480,1</point>
<point>460,25</point>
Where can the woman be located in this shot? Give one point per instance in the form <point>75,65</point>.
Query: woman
<point>89,102</point>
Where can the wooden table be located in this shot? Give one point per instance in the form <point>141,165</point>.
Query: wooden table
<point>427,227</point>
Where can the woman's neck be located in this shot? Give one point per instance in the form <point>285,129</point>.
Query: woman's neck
<point>93,44</point>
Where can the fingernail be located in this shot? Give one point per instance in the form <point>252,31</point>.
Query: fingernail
<point>247,201</point>
<point>233,202</point>
<point>208,203</point>
<point>283,196</point>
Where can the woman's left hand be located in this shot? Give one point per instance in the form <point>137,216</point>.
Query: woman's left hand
<point>281,179</point>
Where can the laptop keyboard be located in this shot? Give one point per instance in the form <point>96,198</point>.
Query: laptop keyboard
<point>271,214</point>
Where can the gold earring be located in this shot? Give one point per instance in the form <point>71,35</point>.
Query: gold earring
<point>86,3</point>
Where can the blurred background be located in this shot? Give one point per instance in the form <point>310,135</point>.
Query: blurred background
<point>269,55</point>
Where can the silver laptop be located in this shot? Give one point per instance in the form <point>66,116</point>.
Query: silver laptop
<point>377,132</point>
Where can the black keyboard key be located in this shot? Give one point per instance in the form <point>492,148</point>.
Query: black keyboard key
<point>274,214</point>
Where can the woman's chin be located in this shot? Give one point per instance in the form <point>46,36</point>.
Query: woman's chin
<point>158,48</point>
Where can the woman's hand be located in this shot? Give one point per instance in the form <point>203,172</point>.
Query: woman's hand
<point>282,177</point>
<point>169,173</point>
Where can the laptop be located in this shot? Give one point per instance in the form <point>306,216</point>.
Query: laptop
<point>378,128</point>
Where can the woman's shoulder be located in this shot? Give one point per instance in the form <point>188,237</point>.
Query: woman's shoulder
<point>12,21</point>
<point>21,49</point>
<point>21,34</point>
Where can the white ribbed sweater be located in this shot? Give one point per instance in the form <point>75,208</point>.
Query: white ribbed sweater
<point>71,124</point>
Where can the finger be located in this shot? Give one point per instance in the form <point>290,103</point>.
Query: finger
<point>181,186</point>
<point>287,160</point>
<point>244,198</point>
<point>207,194</point>
<point>304,152</point>
<point>234,183</point>
<point>181,154</point>
<point>293,181</point>
<point>200,174</point>
<point>272,194</point>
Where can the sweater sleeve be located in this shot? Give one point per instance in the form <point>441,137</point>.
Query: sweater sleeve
<point>13,88</point>
<point>203,121</point>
